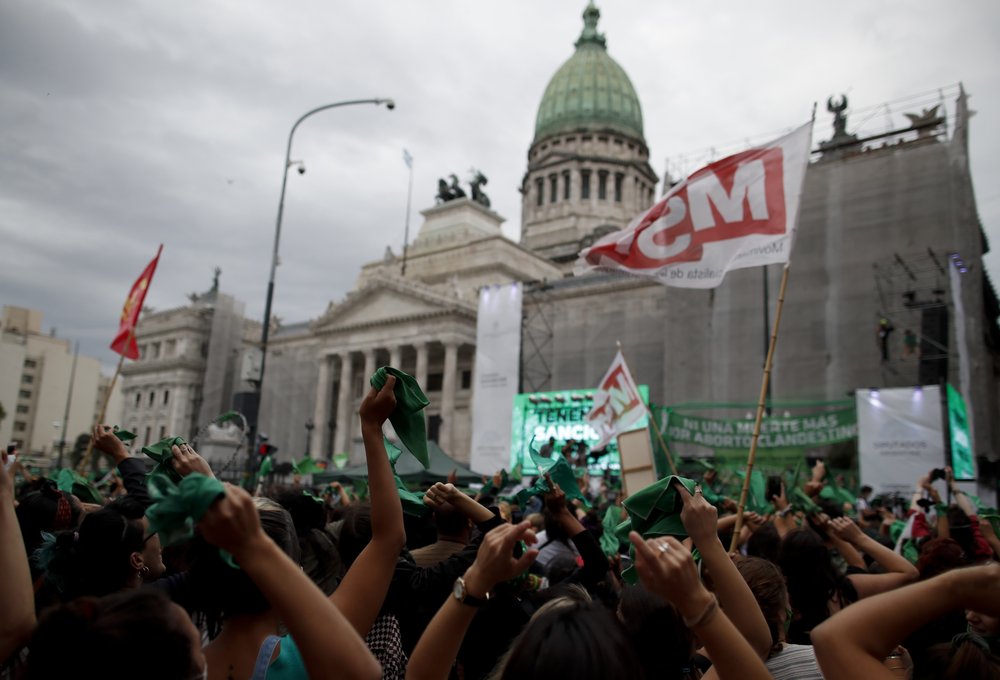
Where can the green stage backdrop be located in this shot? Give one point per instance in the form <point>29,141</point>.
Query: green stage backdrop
<point>560,414</point>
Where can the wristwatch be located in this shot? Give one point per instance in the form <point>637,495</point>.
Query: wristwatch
<point>461,593</point>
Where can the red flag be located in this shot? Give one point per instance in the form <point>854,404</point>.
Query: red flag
<point>124,342</point>
<point>617,403</point>
<point>734,213</point>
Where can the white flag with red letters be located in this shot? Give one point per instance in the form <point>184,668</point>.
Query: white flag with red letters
<point>734,213</point>
<point>617,403</point>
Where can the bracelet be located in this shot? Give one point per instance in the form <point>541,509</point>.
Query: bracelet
<point>705,617</point>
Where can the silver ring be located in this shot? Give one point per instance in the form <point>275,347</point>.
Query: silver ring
<point>663,547</point>
<point>697,488</point>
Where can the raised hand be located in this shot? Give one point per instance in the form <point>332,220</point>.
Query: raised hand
<point>186,460</point>
<point>106,441</point>
<point>667,569</point>
<point>555,497</point>
<point>439,494</point>
<point>700,517</point>
<point>495,562</point>
<point>232,523</point>
<point>845,529</point>
<point>378,405</point>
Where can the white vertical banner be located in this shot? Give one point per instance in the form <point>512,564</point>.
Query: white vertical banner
<point>900,436</point>
<point>498,362</point>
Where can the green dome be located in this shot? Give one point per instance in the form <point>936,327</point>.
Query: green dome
<point>590,91</point>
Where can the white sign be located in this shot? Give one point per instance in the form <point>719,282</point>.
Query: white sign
<point>617,402</point>
<point>900,436</point>
<point>498,361</point>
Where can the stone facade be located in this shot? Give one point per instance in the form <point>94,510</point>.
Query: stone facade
<point>185,373</point>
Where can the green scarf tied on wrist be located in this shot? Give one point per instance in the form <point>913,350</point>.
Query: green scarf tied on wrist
<point>407,418</point>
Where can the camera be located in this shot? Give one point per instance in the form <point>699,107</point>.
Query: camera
<point>390,105</point>
<point>302,169</point>
<point>937,473</point>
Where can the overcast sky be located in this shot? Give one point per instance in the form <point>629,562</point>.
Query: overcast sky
<point>128,124</point>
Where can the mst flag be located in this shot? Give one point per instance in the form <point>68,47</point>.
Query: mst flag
<point>124,342</point>
<point>617,404</point>
<point>734,213</point>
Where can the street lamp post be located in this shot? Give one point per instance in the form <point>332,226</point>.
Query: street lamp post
<point>265,331</point>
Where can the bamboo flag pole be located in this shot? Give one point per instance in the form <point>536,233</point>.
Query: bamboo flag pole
<point>765,381</point>
<point>760,410</point>
<point>104,407</point>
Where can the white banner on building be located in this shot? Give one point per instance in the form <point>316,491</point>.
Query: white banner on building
<point>900,436</point>
<point>498,361</point>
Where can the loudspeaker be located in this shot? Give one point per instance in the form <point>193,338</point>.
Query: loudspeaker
<point>247,403</point>
<point>933,346</point>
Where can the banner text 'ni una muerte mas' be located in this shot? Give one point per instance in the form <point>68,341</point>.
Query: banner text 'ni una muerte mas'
<point>818,429</point>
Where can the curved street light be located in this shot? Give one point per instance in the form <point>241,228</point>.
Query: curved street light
<point>265,332</point>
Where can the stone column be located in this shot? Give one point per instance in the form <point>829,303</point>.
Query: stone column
<point>395,356</point>
<point>345,405</point>
<point>421,370</point>
<point>448,386</point>
<point>369,369</point>
<point>317,448</point>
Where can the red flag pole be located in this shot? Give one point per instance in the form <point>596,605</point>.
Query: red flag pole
<point>104,407</point>
<point>130,316</point>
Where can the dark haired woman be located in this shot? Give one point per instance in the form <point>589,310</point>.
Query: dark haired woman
<point>817,590</point>
<point>249,637</point>
<point>111,551</point>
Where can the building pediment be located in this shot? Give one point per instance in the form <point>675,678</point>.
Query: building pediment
<point>385,300</point>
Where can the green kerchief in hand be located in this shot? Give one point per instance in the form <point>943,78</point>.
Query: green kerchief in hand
<point>71,481</point>
<point>161,453</point>
<point>654,511</point>
<point>177,508</point>
<point>609,540</point>
<point>407,418</point>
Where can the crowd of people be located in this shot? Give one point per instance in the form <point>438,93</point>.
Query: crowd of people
<point>181,576</point>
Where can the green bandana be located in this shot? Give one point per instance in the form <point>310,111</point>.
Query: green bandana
<point>73,482</point>
<point>800,500</point>
<point>394,452</point>
<point>177,508</point>
<point>654,511</point>
<point>609,541</point>
<point>306,466</point>
<point>124,435</point>
<point>265,466</point>
<point>413,503</point>
<point>757,493</point>
<point>407,418</point>
<point>561,473</point>
<point>161,453</point>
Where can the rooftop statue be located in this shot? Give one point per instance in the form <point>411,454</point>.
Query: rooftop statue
<point>449,192</point>
<point>477,184</point>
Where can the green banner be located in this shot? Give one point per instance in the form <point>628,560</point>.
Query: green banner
<point>816,429</point>
<point>560,415</point>
<point>962,461</point>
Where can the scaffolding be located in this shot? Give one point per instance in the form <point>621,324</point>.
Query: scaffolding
<point>913,299</point>
<point>536,338</point>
